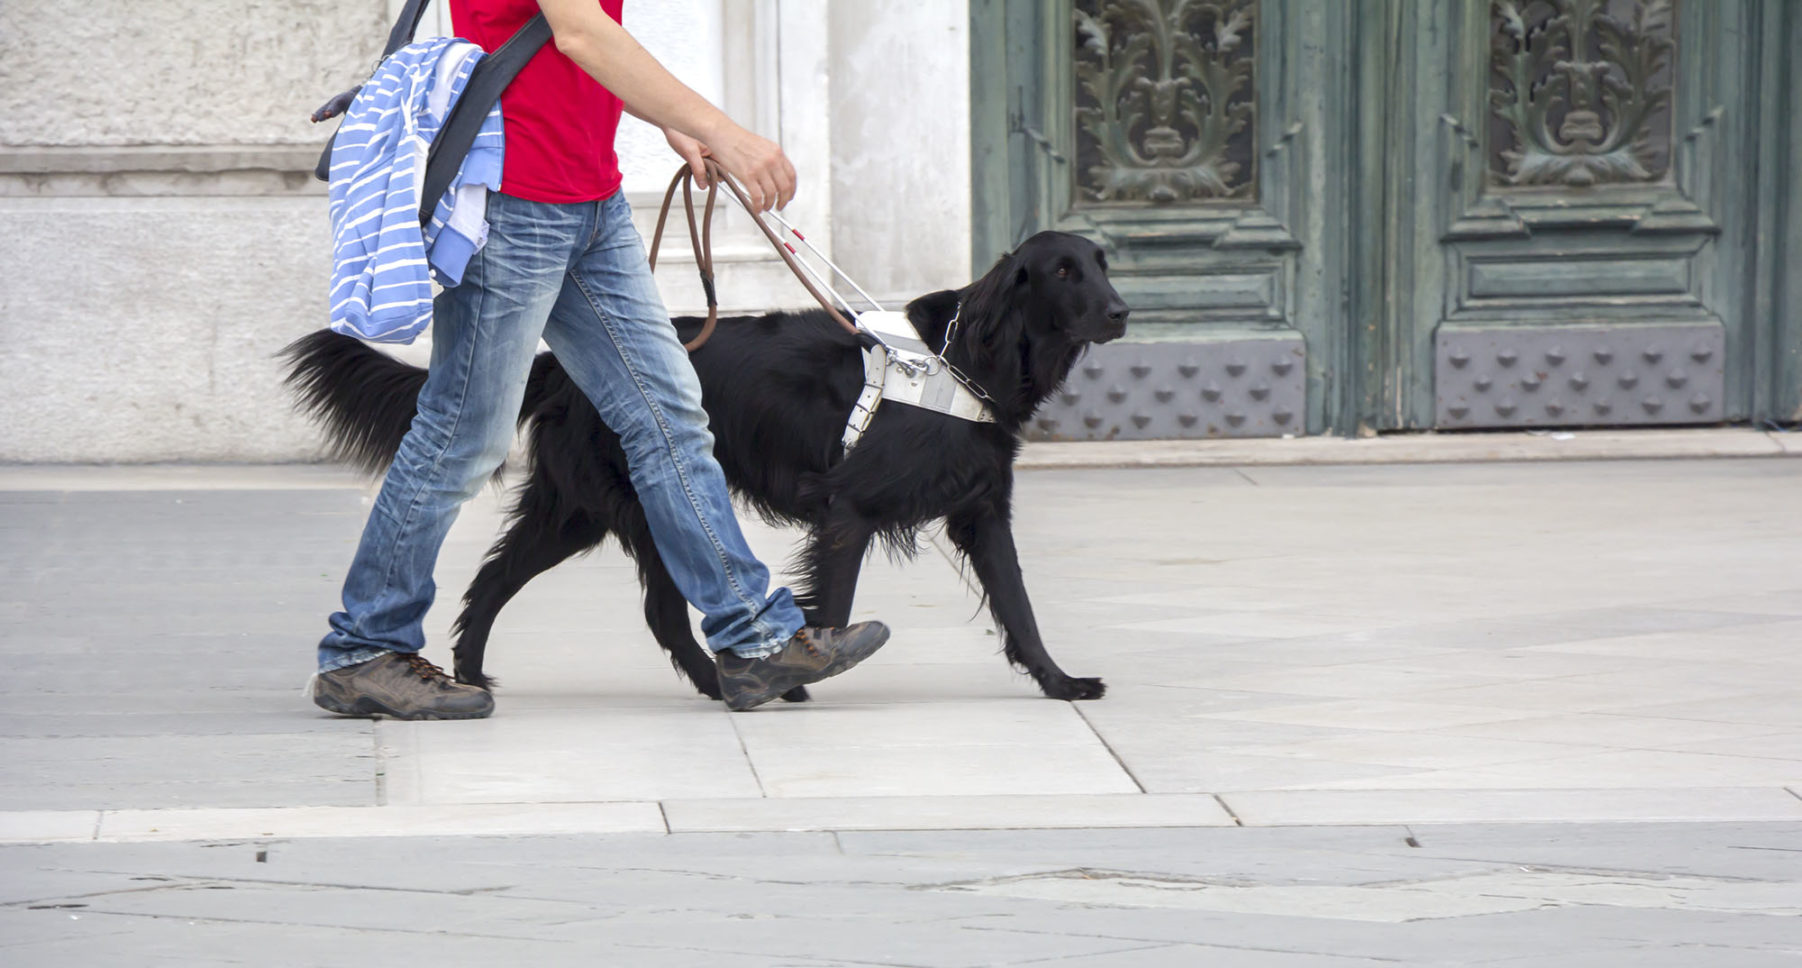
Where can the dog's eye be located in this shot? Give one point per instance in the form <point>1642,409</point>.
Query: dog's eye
<point>1063,272</point>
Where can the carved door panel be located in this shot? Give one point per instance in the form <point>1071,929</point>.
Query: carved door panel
<point>1579,252</point>
<point>1365,215</point>
<point>1201,144</point>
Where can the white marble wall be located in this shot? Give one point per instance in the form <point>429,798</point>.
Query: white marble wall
<point>160,239</point>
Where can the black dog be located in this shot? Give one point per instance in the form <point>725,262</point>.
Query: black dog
<point>779,389</point>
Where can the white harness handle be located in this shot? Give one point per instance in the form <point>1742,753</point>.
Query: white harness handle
<point>900,366</point>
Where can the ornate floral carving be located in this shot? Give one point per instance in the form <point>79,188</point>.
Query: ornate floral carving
<point>1164,100</point>
<point>1580,91</point>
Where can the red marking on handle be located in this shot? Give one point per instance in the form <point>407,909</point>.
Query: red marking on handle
<point>790,248</point>
<point>798,234</point>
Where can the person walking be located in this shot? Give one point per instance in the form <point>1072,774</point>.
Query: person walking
<point>563,262</point>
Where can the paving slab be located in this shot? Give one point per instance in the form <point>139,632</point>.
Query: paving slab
<point>1474,653</point>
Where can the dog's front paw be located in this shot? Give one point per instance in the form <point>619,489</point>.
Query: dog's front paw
<point>1074,689</point>
<point>797,694</point>
<point>476,679</point>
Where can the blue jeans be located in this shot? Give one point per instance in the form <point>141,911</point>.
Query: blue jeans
<point>575,274</point>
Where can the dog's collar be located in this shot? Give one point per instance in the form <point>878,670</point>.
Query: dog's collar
<point>901,367</point>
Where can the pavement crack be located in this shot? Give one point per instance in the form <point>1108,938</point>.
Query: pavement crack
<point>1097,954</point>
<point>732,878</point>
<point>381,765</point>
<point>744,751</point>
<point>183,883</point>
<point>214,919</point>
<point>806,959</point>
<point>1109,747</point>
<point>1166,942</point>
<point>66,898</point>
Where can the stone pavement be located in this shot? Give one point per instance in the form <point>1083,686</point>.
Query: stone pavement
<point>1544,714</point>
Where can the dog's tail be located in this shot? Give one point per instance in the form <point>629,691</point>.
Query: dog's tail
<point>364,398</point>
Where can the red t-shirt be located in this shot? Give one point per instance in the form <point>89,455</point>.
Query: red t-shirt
<point>560,121</point>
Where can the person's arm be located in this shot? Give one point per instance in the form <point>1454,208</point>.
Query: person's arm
<point>692,151</point>
<point>586,35</point>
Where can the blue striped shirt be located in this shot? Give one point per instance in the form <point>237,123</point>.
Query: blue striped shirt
<point>383,265</point>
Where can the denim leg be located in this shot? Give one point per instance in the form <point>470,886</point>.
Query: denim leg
<point>613,336</point>
<point>484,334</point>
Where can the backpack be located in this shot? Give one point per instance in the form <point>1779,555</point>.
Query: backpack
<point>486,82</point>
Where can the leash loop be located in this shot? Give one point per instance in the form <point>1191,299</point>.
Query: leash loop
<point>701,239</point>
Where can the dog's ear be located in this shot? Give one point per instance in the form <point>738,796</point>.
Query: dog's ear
<point>991,310</point>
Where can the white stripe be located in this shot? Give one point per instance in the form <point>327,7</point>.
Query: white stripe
<point>403,304</point>
<point>397,264</point>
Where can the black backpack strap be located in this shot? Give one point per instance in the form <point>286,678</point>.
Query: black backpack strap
<point>405,26</point>
<point>486,82</point>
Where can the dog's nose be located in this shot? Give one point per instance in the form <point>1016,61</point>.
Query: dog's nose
<point>1117,314</point>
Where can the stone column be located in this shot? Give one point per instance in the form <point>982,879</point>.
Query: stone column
<point>900,75</point>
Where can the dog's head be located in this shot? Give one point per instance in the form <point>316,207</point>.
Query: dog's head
<point>1027,320</point>
<point>1060,282</point>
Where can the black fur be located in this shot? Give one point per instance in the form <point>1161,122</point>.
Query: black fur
<point>778,389</point>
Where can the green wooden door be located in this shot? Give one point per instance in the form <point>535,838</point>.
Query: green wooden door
<point>1576,239</point>
<point>1406,214</point>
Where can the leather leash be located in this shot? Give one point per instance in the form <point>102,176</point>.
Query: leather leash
<point>701,240</point>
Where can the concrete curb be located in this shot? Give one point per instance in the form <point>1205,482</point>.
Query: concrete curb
<point>1271,808</point>
<point>1427,448</point>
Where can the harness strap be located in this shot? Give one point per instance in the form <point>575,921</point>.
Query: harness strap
<point>897,364</point>
<point>875,375</point>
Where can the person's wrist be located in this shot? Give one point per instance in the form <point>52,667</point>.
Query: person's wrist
<point>719,131</point>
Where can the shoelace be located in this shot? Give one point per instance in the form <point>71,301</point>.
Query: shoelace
<point>425,669</point>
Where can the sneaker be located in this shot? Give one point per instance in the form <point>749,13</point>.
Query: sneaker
<point>813,654</point>
<point>399,685</point>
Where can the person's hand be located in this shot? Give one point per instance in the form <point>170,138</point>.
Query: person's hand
<point>759,165</point>
<point>692,151</point>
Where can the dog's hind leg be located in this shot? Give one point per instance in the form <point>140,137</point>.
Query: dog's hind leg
<point>986,538</point>
<point>665,610</point>
<point>539,538</point>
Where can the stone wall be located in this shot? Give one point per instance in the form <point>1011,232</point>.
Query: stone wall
<point>159,235</point>
<point>161,238</point>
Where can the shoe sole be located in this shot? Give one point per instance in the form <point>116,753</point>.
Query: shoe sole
<point>779,687</point>
<point>367,708</point>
